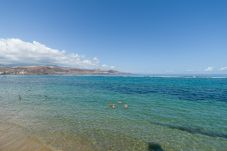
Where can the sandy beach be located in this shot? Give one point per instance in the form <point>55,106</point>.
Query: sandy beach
<point>15,138</point>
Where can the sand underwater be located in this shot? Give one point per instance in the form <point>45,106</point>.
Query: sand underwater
<point>73,113</point>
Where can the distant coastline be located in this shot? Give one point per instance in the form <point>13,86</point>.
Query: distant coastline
<point>54,70</point>
<point>58,70</point>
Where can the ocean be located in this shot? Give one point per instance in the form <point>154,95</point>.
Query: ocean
<point>73,113</point>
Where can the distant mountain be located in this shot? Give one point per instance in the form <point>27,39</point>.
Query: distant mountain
<point>53,70</point>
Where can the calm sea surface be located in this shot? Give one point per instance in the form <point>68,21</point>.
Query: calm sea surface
<point>73,112</point>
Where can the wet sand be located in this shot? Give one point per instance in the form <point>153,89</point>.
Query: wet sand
<point>15,138</point>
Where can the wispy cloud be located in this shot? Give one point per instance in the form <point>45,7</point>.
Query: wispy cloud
<point>223,69</point>
<point>209,69</point>
<point>17,51</point>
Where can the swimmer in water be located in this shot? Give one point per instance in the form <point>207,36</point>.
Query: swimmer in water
<point>126,106</point>
<point>113,106</point>
<point>19,97</point>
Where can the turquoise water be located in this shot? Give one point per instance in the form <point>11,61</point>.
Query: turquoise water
<point>73,112</point>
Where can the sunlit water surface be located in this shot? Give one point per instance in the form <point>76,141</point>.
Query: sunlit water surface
<point>73,112</point>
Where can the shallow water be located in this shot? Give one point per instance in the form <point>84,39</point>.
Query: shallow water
<point>73,113</point>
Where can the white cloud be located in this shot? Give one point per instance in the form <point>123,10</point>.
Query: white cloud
<point>223,69</point>
<point>209,69</point>
<point>16,51</point>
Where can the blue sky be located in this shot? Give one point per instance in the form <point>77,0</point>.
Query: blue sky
<point>143,36</point>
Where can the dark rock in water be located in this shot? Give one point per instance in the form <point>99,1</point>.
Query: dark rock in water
<point>154,147</point>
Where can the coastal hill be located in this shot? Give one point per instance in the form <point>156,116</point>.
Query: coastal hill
<point>53,70</point>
